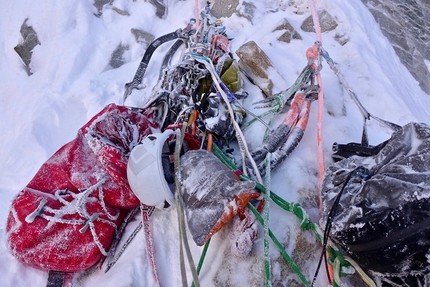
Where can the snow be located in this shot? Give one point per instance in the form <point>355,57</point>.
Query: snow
<point>72,81</point>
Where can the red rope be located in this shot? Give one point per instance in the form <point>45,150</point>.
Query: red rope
<point>146,212</point>
<point>197,13</point>
<point>316,21</point>
<point>320,115</point>
<point>320,100</point>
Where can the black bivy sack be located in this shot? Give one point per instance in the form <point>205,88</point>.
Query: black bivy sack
<point>379,207</point>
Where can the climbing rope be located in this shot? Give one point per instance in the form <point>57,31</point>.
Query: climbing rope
<point>239,134</point>
<point>366,115</point>
<point>196,7</point>
<point>181,216</point>
<point>267,265</point>
<point>335,256</point>
<point>317,27</point>
<point>146,212</point>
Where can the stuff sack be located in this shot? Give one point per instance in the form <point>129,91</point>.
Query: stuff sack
<point>211,193</point>
<point>380,205</point>
<point>66,217</point>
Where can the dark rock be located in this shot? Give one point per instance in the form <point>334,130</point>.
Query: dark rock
<point>161,9</point>
<point>248,10</point>
<point>289,34</point>
<point>341,39</point>
<point>142,37</point>
<point>327,23</point>
<point>224,8</point>
<point>121,12</point>
<point>393,31</point>
<point>406,25</point>
<point>117,59</point>
<point>25,49</point>
<point>99,4</point>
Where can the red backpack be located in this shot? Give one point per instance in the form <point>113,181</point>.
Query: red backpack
<point>66,217</point>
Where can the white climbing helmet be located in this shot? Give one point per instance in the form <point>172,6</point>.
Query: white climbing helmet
<point>145,171</point>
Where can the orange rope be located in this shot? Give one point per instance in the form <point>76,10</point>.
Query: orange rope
<point>210,140</point>
<point>194,125</point>
<point>320,102</point>
<point>320,118</point>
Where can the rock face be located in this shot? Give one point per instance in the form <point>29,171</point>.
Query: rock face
<point>117,59</point>
<point>289,34</point>
<point>160,7</point>
<point>256,65</point>
<point>224,8</point>
<point>99,4</point>
<point>406,24</point>
<point>327,22</point>
<point>25,49</point>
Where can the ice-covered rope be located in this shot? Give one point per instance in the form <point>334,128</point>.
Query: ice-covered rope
<point>146,212</point>
<point>305,223</point>
<point>239,134</point>
<point>202,258</point>
<point>267,265</point>
<point>260,187</point>
<point>352,95</point>
<point>196,7</point>
<point>320,99</point>
<point>183,242</point>
<point>316,20</point>
<point>277,102</point>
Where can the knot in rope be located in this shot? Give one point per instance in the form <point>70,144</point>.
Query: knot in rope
<point>305,223</point>
<point>312,53</point>
<point>278,103</point>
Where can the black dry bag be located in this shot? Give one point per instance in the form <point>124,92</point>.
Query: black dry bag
<point>379,206</point>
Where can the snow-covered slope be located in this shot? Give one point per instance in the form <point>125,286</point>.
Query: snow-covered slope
<point>72,81</point>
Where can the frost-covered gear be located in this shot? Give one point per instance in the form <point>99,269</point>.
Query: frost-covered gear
<point>380,205</point>
<point>145,171</point>
<point>230,76</point>
<point>138,77</point>
<point>211,193</point>
<point>287,135</point>
<point>66,217</point>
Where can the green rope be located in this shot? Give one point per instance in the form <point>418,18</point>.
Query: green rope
<point>294,208</point>
<point>267,266</point>
<point>202,258</point>
<point>280,247</point>
<point>247,124</point>
<point>283,97</point>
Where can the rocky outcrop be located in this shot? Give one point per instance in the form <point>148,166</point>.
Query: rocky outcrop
<point>406,24</point>
<point>327,22</point>
<point>25,48</point>
<point>289,34</point>
<point>117,57</point>
<point>257,66</point>
<point>142,37</point>
<point>224,8</point>
<point>99,4</point>
<point>161,9</point>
